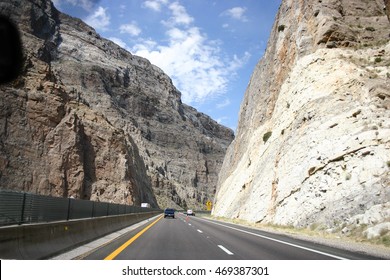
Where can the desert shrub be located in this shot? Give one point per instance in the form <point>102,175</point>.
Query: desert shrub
<point>266,136</point>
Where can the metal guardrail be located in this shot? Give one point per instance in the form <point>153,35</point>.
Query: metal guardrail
<point>18,208</point>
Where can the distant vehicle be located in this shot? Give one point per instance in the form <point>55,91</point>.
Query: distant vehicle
<point>190,212</point>
<point>169,212</point>
<point>145,205</point>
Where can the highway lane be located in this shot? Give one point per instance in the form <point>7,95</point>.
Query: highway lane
<point>193,238</point>
<point>166,239</point>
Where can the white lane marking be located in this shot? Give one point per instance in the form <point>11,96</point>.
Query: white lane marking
<point>280,241</point>
<point>200,231</point>
<point>189,224</point>
<point>226,250</point>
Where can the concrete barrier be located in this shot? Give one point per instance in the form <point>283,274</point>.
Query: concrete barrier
<point>44,240</point>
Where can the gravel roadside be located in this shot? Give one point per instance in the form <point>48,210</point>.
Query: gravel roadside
<point>333,241</point>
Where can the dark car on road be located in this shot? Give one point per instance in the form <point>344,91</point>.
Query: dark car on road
<point>169,212</point>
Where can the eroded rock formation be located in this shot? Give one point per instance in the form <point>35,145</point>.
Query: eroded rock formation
<point>313,140</point>
<point>88,119</point>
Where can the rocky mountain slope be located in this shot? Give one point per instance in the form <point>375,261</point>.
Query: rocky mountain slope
<point>89,120</point>
<point>313,141</point>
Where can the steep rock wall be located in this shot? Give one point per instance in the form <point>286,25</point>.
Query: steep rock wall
<point>88,119</point>
<point>313,140</point>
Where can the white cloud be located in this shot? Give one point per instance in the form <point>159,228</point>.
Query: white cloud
<point>179,16</point>
<point>155,5</point>
<point>131,29</point>
<point>237,13</point>
<point>85,4</point>
<point>191,61</point>
<point>145,44</point>
<point>119,42</point>
<point>224,103</point>
<point>196,64</point>
<point>221,119</point>
<point>238,62</point>
<point>99,19</point>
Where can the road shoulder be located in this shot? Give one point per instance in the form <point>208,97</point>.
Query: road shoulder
<point>332,241</point>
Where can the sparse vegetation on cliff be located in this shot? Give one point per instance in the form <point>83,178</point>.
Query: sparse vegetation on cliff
<point>266,136</point>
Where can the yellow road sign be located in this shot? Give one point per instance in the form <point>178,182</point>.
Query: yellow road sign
<point>208,205</point>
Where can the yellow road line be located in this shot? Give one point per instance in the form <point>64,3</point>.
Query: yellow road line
<point>128,242</point>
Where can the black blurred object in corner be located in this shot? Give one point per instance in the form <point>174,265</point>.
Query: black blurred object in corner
<point>11,55</point>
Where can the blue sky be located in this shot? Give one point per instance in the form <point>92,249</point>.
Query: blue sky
<point>208,47</point>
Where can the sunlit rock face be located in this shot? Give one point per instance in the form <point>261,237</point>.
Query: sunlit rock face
<point>313,140</point>
<point>89,120</point>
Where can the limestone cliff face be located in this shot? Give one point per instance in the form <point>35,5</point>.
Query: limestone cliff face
<point>88,119</point>
<point>313,141</point>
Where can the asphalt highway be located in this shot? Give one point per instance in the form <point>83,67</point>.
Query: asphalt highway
<point>194,238</point>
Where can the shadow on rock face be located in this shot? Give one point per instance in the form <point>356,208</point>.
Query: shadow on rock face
<point>11,54</point>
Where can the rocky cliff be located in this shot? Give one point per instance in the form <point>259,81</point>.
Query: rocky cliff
<point>313,140</point>
<point>88,119</point>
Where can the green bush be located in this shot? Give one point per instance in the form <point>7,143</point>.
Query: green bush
<point>281,28</point>
<point>266,136</point>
